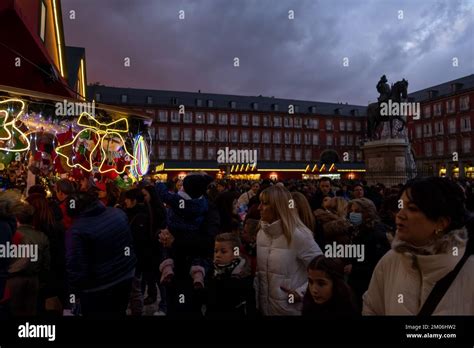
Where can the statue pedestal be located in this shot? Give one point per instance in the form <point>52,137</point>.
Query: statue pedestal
<point>386,161</point>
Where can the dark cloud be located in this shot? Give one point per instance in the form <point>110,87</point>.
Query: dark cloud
<point>299,59</point>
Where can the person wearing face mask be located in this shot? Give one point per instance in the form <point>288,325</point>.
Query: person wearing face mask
<point>433,239</point>
<point>370,234</point>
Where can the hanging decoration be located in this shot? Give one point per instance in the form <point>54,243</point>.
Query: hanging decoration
<point>12,136</point>
<point>113,155</point>
<point>140,152</point>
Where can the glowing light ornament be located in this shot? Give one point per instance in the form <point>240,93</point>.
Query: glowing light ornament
<point>142,161</point>
<point>7,124</point>
<point>106,134</point>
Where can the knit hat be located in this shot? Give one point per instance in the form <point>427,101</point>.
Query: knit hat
<point>195,185</point>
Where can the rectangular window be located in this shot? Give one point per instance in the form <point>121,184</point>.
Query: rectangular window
<point>297,154</point>
<point>342,125</point>
<point>266,137</point>
<point>199,117</point>
<point>287,138</point>
<point>162,133</point>
<point>188,117</point>
<point>245,120</point>
<point>267,152</point>
<point>199,153</point>
<point>427,132</point>
<point>187,153</point>
<point>175,117</point>
<point>211,135</point>
<point>357,126</point>
<point>466,124</point>
<point>266,121</point>
<point>234,119</point>
<point>329,125</point>
<point>277,153</point>
<point>175,134</point>
<point>123,98</point>
<point>162,152</point>
<point>452,126</point>
<point>349,126</point>
<point>419,131</point>
<point>187,134</point>
<point>199,134</point>
<point>43,22</point>
<point>440,148</point>
<point>307,155</point>
<point>427,111</point>
<point>450,106</point>
<point>211,118</point>
<point>297,122</point>
<point>223,119</point>
<point>276,121</point>
<point>297,138</point>
<point>453,145</point>
<point>287,122</point>
<point>315,124</point>
<point>223,135</point>
<point>342,140</point>
<point>256,137</point>
<point>277,137</point>
<point>439,128</point>
<point>198,102</point>
<point>163,116</point>
<point>437,109</point>
<point>255,106</point>
<point>288,154</point>
<point>329,139</point>
<point>464,102</point>
<point>466,145</point>
<point>174,152</point>
<point>245,136</point>
<point>235,136</point>
<point>350,140</point>
<point>233,105</point>
<point>97,97</point>
<point>149,100</point>
<point>210,103</point>
<point>315,139</point>
<point>255,120</point>
<point>211,153</point>
<point>307,138</point>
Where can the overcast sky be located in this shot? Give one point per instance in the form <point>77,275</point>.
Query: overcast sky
<point>300,58</point>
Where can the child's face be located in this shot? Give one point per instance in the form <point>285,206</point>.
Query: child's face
<point>320,286</point>
<point>223,253</point>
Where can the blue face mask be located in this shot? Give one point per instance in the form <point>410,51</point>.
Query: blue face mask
<point>355,218</point>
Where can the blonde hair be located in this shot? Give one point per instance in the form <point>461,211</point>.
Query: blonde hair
<point>304,210</point>
<point>278,197</point>
<point>11,202</point>
<point>341,207</point>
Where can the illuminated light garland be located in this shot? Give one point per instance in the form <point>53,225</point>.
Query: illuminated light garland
<point>102,130</point>
<point>11,123</point>
<point>142,162</point>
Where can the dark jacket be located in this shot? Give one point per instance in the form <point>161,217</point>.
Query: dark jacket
<point>330,310</point>
<point>99,248</point>
<point>317,199</point>
<point>231,294</point>
<point>7,228</point>
<point>141,228</point>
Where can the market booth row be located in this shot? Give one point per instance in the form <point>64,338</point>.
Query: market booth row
<point>45,137</point>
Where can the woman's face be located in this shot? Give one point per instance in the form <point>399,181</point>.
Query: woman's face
<point>320,286</point>
<point>266,212</point>
<point>327,202</point>
<point>413,225</point>
<point>179,184</point>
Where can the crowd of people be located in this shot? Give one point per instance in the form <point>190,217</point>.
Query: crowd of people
<point>216,248</point>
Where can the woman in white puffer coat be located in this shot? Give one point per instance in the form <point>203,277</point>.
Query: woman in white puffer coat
<point>285,247</point>
<point>431,239</point>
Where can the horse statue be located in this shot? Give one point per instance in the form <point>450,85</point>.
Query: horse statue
<point>397,93</point>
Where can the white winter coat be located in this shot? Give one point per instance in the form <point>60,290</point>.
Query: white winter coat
<point>405,276</point>
<point>281,265</point>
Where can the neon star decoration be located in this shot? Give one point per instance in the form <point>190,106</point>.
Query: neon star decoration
<point>105,133</point>
<point>8,124</point>
<point>142,162</point>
